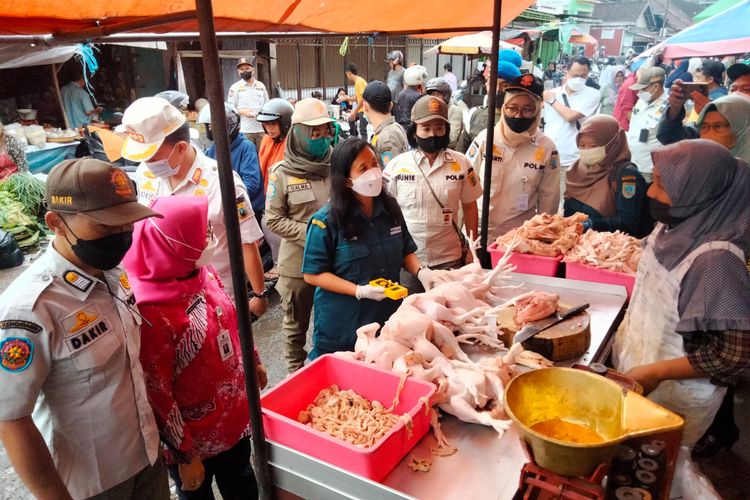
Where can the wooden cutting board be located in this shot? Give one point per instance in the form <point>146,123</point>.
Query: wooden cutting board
<point>566,340</point>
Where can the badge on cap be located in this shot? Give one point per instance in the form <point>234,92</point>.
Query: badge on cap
<point>122,184</point>
<point>135,136</point>
<point>527,80</point>
<point>16,354</point>
<point>433,106</point>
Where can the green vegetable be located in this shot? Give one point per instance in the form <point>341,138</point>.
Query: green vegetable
<point>26,189</point>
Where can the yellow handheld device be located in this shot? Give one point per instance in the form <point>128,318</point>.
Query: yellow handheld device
<point>393,290</point>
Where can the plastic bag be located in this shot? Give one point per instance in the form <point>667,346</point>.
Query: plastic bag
<point>10,253</point>
<point>689,482</point>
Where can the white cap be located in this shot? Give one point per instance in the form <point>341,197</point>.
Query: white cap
<point>415,75</point>
<point>311,112</point>
<point>148,121</point>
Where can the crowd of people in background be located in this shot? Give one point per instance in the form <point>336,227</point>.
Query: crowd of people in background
<point>321,215</point>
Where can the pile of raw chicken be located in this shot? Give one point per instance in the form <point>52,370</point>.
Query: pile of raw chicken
<point>612,251</point>
<point>423,339</point>
<point>350,417</point>
<point>544,234</point>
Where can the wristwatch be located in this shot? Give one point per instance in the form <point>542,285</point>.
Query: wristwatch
<point>263,295</point>
<point>551,101</point>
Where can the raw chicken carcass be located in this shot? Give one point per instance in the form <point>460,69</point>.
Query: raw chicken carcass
<point>545,235</point>
<point>534,306</point>
<point>612,251</point>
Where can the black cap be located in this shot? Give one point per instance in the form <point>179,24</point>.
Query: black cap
<point>377,92</point>
<point>527,83</point>
<point>713,69</point>
<point>737,70</point>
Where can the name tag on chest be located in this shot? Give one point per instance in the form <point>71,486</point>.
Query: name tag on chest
<point>301,193</point>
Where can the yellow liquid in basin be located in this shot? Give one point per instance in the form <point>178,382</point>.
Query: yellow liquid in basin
<point>567,431</point>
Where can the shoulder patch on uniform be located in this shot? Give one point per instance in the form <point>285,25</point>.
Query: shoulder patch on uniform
<point>20,324</point>
<point>554,160</point>
<point>448,156</point>
<point>318,223</point>
<point>628,189</point>
<point>16,354</point>
<point>473,177</point>
<point>242,210</point>
<point>473,150</point>
<point>77,281</point>
<point>385,157</point>
<point>271,190</point>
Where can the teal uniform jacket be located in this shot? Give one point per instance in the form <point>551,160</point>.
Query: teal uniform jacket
<point>377,252</point>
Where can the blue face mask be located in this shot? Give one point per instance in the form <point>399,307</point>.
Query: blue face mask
<point>161,168</point>
<point>317,148</point>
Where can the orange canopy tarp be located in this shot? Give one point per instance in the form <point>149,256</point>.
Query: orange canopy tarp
<point>33,17</point>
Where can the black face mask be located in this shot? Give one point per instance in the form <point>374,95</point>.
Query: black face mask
<point>519,125</point>
<point>102,253</point>
<point>433,144</point>
<point>660,213</point>
<point>246,75</point>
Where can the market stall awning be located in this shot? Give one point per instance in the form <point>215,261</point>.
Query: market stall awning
<point>583,38</point>
<point>714,9</point>
<point>723,34</point>
<point>476,43</point>
<point>24,56</point>
<point>34,17</point>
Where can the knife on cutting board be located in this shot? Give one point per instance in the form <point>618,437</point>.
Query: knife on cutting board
<point>535,327</point>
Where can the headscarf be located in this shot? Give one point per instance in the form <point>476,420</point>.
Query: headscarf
<point>736,109</point>
<point>681,72</point>
<point>710,187</point>
<point>615,70</point>
<point>592,184</point>
<point>163,271</point>
<point>516,139</point>
<point>297,161</point>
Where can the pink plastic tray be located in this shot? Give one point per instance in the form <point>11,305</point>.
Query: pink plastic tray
<point>583,272</point>
<point>527,263</point>
<point>282,404</point>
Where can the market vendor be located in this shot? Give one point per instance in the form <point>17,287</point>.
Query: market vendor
<point>431,183</point>
<point>360,235</point>
<point>525,164</point>
<point>686,335</point>
<point>604,184</point>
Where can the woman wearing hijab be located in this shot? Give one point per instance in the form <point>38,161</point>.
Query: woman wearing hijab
<point>359,236</point>
<point>297,188</point>
<point>604,184</point>
<point>681,72</point>
<point>525,165</point>
<point>609,92</point>
<point>189,333</point>
<point>686,335</point>
<point>725,120</point>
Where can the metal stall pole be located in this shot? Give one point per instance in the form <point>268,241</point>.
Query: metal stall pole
<point>484,255</point>
<point>215,94</point>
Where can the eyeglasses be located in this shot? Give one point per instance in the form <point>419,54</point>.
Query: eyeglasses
<point>719,128</point>
<point>525,112</point>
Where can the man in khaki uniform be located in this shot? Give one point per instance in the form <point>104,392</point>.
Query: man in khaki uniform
<point>389,139</point>
<point>297,187</point>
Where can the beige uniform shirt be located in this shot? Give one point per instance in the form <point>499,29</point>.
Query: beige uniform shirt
<point>70,360</point>
<point>250,96</point>
<point>203,180</point>
<point>290,202</point>
<point>641,135</point>
<point>454,181</point>
<point>525,180</point>
<point>389,141</point>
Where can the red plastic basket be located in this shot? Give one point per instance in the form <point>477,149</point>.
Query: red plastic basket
<point>282,404</point>
<point>583,272</point>
<point>527,263</point>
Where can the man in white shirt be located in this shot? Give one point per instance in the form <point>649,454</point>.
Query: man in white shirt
<point>248,95</point>
<point>450,77</point>
<point>567,106</point>
<point>158,137</point>
<point>651,105</point>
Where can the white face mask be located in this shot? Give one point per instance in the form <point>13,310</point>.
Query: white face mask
<point>369,184</point>
<point>592,156</point>
<point>205,255</point>
<point>161,168</point>
<point>644,96</point>
<point>576,84</point>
